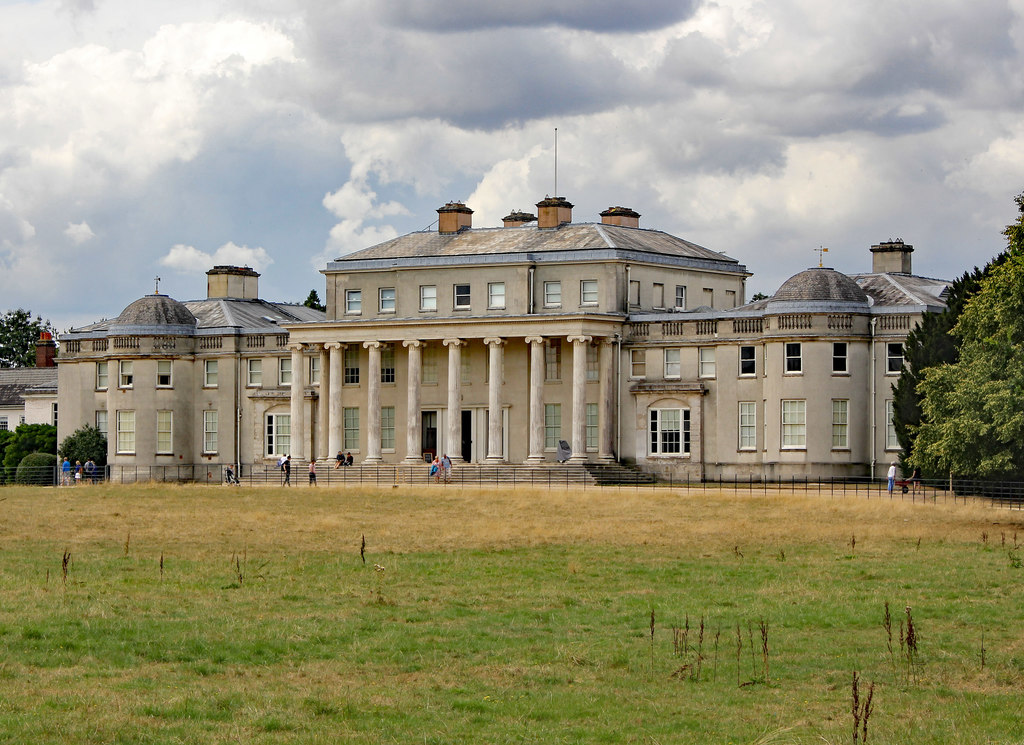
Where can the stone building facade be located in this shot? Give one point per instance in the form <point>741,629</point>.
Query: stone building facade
<point>495,344</point>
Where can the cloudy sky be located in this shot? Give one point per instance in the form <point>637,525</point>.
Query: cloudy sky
<point>143,139</point>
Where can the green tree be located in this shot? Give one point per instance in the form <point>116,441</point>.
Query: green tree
<point>313,301</point>
<point>37,469</point>
<point>18,337</point>
<point>29,438</point>
<point>972,422</point>
<point>84,443</point>
<point>932,342</point>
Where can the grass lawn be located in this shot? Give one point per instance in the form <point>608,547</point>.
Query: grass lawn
<point>177,614</point>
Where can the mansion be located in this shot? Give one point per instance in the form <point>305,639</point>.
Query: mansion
<point>495,345</point>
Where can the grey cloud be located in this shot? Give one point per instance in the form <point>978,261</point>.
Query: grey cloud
<point>487,80</point>
<point>607,16</point>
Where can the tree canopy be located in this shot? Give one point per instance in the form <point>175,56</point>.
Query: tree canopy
<point>29,438</point>
<point>84,443</point>
<point>313,301</point>
<point>972,409</point>
<point>18,336</point>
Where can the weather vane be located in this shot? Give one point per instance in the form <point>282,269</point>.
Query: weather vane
<point>821,251</point>
<point>157,290</point>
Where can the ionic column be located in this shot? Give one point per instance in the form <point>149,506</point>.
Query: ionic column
<point>373,404</point>
<point>413,438</point>
<point>334,417</point>
<point>494,381</point>
<point>536,399</point>
<point>579,397</point>
<point>323,406</point>
<point>453,444</point>
<point>606,405</point>
<point>298,425</point>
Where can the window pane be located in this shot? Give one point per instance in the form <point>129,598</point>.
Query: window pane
<point>592,363</point>
<point>592,428</point>
<point>127,378</point>
<point>387,299</point>
<point>428,297</point>
<point>284,371</point>
<point>552,359</point>
<point>387,364</point>
<point>210,373</point>
<point>588,292</point>
<point>552,425</point>
<point>163,431</point>
<point>552,294</point>
<point>839,356</point>
<point>126,431</point>
<point>387,427</point>
<point>163,373</point>
<point>840,413</point>
<point>748,360</point>
<point>352,366</point>
<point>351,436</point>
<point>672,364</point>
<point>748,425</point>
<point>794,424</point>
<point>794,362</point>
<point>894,358</point>
<point>209,431</point>
<point>496,295</point>
<point>353,301</point>
<point>637,363</point>
<point>706,357</point>
<point>461,296</point>
<point>891,443</point>
<point>681,296</point>
<point>255,372</point>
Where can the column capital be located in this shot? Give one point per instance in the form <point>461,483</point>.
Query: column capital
<point>333,345</point>
<point>534,340</point>
<point>579,339</point>
<point>372,344</point>
<point>295,346</point>
<point>412,343</point>
<point>608,340</point>
<point>494,341</point>
<point>453,342</point>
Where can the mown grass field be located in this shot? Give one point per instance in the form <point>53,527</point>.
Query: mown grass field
<point>221,615</point>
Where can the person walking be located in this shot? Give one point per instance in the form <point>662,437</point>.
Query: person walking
<point>90,470</point>
<point>78,472</point>
<point>446,464</point>
<point>435,469</point>
<point>891,477</point>
<point>65,472</point>
<point>312,473</point>
<point>287,470</point>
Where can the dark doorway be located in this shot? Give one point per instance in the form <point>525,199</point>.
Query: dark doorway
<point>429,429</point>
<point>467,436</point>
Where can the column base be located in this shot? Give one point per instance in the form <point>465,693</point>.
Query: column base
<point>494,460</point>
<point>372,461</point>
<point>534,460</point>
<point>607,459</point>
<point>412,460</point>
<point>577,460</point>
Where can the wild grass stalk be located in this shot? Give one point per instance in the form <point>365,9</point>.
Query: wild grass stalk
<point>764,649</point>
<point>700,650</point>
<point>861,712</point>
<point>714,671</point>
<point>887,625</point>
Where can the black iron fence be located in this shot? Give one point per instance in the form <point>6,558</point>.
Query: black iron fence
<point>997,493</point>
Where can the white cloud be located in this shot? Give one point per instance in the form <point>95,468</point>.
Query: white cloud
<point>79,233</point>
<point>190,260</point>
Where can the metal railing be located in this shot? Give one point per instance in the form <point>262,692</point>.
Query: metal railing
<point>996,493</point>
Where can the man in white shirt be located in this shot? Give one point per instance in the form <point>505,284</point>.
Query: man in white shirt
<point>892,477</point>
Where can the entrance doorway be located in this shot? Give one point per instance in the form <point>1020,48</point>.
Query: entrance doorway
<point>467,436</point>
<point>429,430</point>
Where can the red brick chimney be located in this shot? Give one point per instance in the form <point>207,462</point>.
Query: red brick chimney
<point>46,350</point>
<point>553,211</point>
<point>453,217</point>
<point>623,216</point>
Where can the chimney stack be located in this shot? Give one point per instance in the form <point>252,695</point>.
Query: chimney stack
<point>622,216</point>
<point>453,217</point>
<point>46,350</point>
<point>240,282</point>
<point>891,257</point>
<point>553,211</point>
<point>516,218</point>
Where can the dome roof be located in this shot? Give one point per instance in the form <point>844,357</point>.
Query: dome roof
<point>156,314</point>
<point>820,285</point>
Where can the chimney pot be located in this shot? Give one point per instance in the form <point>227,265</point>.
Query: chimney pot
<point>553,212</point>
<point>891,257</point>
<point>516,218</point>
<point>622,216</point>
<point>454,217</point>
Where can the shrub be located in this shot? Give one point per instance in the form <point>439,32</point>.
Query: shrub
<point>85,443</point>
<point>36,469</point>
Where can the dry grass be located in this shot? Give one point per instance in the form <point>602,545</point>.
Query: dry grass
<point>415,519</point>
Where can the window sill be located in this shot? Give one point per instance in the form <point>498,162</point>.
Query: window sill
<point>668,456</point>
<point>794,449</point>
<point>496,307</point>
<point>428,310</point>
<point>841,449</point>
<point>837,374</point>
